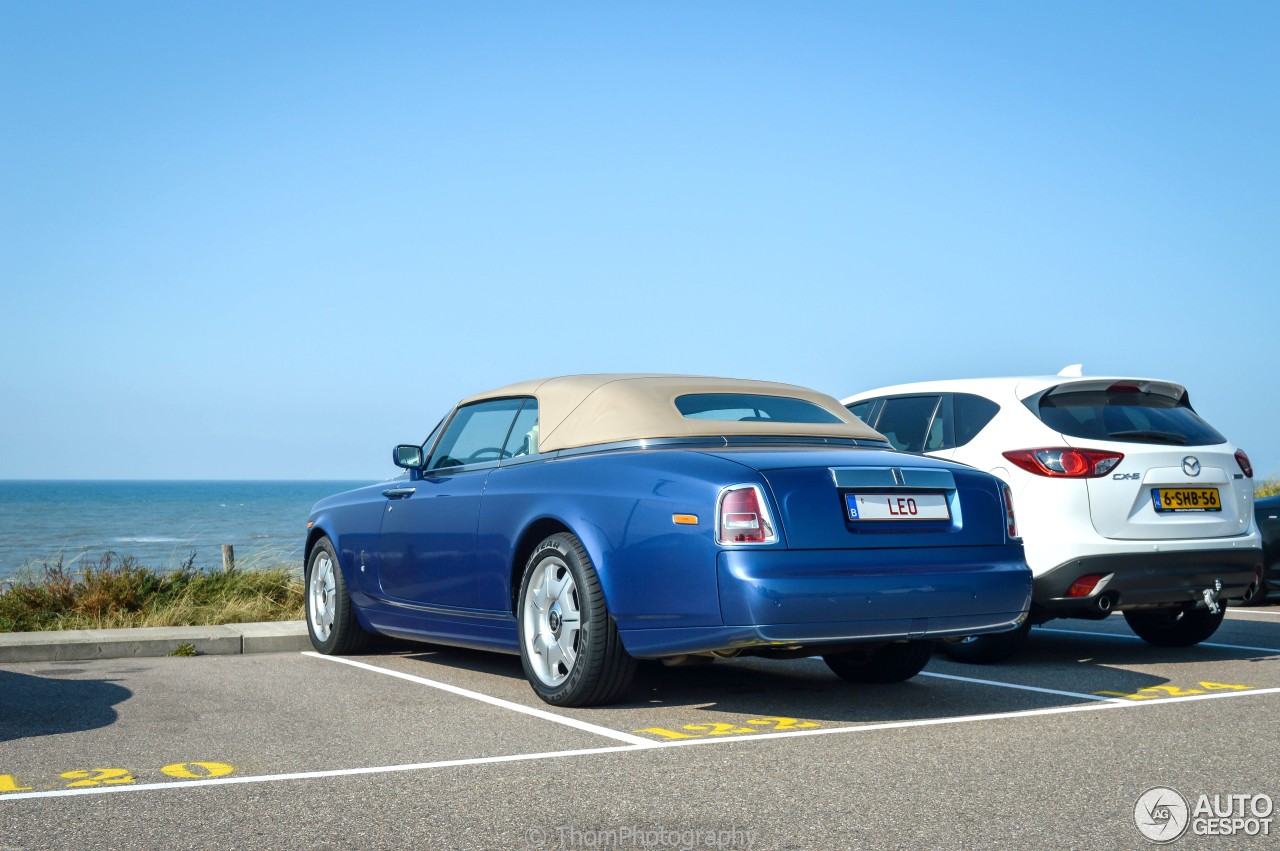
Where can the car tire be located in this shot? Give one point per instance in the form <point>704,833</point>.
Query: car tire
<point>1174,627</point>
<point>569,644</point>
<point>331,618</point>
<point>988,649</point>
<point>891,663</point>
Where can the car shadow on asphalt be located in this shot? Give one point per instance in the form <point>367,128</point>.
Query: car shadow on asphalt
<point>1089,666</point>
<point>1119,649</point>
<point>807,690</point>
<point>32,705</point>
<point>463,659</point>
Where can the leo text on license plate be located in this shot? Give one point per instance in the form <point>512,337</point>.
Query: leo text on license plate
<point>1186,499</point>
<point>886,506</point>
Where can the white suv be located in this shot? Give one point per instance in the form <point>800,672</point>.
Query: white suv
<point>1127,500</point>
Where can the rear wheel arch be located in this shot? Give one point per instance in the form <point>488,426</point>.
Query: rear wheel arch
<point>533,534</point>
<point>541,529</point>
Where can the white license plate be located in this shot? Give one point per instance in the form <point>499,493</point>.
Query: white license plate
<point>889,506</point>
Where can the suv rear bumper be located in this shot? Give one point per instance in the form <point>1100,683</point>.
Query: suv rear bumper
<point>1134,580</point>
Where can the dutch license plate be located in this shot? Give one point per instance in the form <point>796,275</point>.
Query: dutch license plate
<point>1168,500</point>
<point>889,506</point>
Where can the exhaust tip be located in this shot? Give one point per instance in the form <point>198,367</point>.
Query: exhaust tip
<point>1104,603</point>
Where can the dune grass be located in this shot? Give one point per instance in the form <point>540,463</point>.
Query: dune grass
<point>120,592</point>
<point>1269,486</point>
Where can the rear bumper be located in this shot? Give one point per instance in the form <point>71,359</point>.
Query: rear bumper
<point>817,597</point>
<point>1133,580</point>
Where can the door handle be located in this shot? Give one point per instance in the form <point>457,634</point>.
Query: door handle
<point>398,493</point>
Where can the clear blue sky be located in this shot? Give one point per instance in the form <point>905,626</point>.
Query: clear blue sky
<point>271,240</point>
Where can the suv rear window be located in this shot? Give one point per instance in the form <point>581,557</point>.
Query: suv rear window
<point>1128,415</point>
<point>748,407</point>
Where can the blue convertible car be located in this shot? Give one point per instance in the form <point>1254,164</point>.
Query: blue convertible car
<point>588,521</point>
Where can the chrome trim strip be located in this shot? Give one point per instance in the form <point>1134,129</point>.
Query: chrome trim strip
<point>892,478</point>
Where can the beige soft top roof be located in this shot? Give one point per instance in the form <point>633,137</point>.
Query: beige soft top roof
<point>585,410</point>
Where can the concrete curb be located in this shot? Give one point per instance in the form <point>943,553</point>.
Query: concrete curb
<point>82,644</point>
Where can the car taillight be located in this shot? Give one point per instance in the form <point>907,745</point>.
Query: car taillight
<point>743,517</point>
<point>1011,525</point>
<point>1065,463</point>
<point>1245,466</point>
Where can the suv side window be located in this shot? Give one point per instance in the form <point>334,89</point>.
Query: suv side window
<point>972,413</point>
<point>867,410</point>
<point>475,435</point>
<point>907,422</point>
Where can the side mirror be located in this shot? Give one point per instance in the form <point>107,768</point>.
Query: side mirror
<point>408,456</point>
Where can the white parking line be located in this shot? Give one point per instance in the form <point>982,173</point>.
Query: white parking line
<point>1136,638</point>
<point>492,701</point>
<point>315,775</point>
<point>1002,684</point>
<point>1247,612</point>
<point>647,746</point>
<point>969,719</point>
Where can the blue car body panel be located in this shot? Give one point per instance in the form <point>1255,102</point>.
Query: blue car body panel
<point>1267,515</point>
<point>444,562</point>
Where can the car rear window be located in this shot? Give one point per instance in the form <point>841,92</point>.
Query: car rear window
<point>1128,415</point>
<point>748,407</point>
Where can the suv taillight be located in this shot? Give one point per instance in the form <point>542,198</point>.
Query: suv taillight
<point>1065,462</point>
<point>1245,466</point>
<point>743,517</point>
<point>1011,524</point>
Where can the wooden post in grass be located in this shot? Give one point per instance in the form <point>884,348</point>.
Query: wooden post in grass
<point>228,558</point>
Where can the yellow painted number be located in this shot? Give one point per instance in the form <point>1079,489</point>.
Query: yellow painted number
<point>1151,692</point>
<point>97,777</point>
<point>781,723</point>
<point>9,783</point>
<point>666,734</point>
<point>197,770</point>
<point>777,722</point>
<point>1173,691</point>
<point>1127,695</point>
<point>718,729</point>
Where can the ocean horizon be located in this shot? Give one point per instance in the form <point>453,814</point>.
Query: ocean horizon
<point>159,522</point>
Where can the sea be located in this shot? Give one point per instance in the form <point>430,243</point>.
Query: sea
<point>161,524</point>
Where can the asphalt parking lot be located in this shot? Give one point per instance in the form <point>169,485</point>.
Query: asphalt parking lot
<point>425,747</point>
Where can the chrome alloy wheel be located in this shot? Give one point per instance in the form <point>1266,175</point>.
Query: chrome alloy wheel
<point>551,621</point>
<point>323,596</point>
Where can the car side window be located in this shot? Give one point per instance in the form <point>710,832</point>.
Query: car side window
<point>866,410</point>
<point>972,413</point>
<point>431,438</point>
<point>523,439</point>
<point>475,435</point>
<point>906,421</point>
<point>936,438</point>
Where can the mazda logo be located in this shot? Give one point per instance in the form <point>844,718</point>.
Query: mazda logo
<point>1191,465</point>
